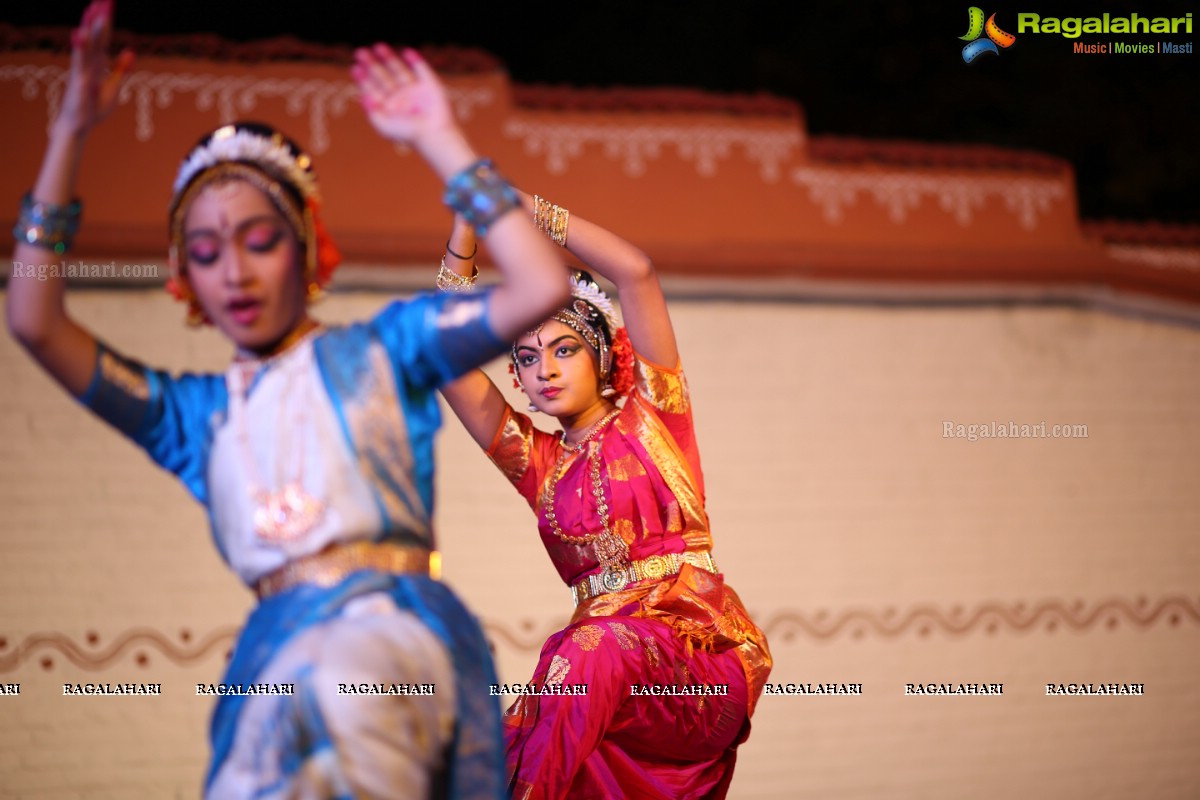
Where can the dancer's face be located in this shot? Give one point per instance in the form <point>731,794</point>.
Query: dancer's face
<point>244,264</point>
<point>559,370</point>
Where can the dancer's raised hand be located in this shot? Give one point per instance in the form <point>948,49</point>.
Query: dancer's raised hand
<point>93,78</point>
<point>402,95</point>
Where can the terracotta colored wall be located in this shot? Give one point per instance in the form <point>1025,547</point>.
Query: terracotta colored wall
<point>706,190</point>
<point>871,548</point>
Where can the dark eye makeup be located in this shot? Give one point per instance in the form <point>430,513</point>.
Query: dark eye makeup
<point>263,237</point>
<point>203,251</point>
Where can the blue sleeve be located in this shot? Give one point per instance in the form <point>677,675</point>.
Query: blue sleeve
<point>436,337</point>
<point>170,418</point>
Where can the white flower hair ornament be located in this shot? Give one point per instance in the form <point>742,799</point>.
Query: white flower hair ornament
<point>584,288</point>
<point>230,143</point>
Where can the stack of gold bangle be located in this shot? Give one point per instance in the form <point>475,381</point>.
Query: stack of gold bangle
<point>551,220</point>
<point>450,281</point>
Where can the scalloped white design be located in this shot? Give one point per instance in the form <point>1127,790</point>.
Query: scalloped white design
<point>635,145</point>
<point>835,190</point>
<point>1158,257</point>
<point>233,96</point>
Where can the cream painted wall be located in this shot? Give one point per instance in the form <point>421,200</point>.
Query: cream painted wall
<point>872,549</point>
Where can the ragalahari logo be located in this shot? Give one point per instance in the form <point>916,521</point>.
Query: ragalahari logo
<point>975,28</point>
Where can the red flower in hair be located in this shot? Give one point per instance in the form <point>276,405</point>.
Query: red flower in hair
<point>175,289</point>
<point>621,378</point>
<point>328,256</point>
<point>196,315</point>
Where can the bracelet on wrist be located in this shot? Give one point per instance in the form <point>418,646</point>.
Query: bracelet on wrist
<point>481,195</point>
<point>47,225</point>
<point>551,220</point>
<point>450,281</point>
<point>462,258</point>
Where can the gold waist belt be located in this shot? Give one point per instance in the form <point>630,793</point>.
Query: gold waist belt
<point>330,566</point>
<point>656,567</point>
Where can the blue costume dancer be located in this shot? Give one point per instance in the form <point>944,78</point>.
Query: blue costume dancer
<point>315,468</point>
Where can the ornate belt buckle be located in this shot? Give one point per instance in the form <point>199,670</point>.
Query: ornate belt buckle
<point>614,579</point>
<point>655,567</point>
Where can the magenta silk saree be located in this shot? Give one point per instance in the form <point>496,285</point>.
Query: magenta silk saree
<point>673,666</point>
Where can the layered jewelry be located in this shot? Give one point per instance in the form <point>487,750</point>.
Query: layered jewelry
<point>551,219</point>
<point>450,281</point>
<point>611,550</point>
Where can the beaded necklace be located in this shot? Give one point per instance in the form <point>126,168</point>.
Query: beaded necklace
<point>611,550</point>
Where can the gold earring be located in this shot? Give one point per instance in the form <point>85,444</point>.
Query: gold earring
<point>195,314</point>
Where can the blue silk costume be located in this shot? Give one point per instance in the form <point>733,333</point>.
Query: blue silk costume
<point>356,405</point>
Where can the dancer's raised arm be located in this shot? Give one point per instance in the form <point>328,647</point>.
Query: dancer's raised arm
<point>643,307</point>
<point>407,103</point>
<point>51,211</point>
<point>475,400</point>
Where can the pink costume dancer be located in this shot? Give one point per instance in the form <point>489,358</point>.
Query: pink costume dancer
<point>672,663</point>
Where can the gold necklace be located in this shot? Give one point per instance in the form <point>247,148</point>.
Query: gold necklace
<point>611,550</point>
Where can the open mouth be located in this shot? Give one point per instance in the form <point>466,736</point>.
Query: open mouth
<point>244,310</point>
